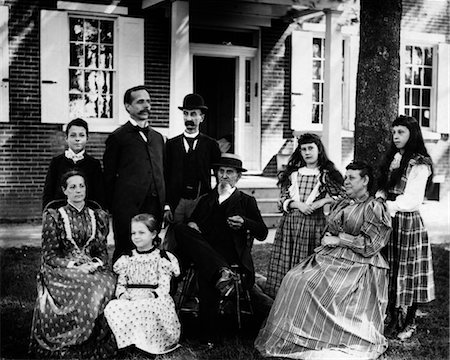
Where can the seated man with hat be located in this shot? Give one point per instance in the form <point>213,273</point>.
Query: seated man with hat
<point>217,237</point>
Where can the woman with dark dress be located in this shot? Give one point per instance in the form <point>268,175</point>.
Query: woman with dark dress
<point>74,283</point>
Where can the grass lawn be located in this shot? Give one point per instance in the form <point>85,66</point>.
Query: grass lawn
<point>18,290</point>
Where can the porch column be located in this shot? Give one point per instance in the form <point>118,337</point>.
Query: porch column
<point>332,88</point>
<point>181,79</point>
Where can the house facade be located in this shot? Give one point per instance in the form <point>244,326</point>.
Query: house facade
<point>268,70</point>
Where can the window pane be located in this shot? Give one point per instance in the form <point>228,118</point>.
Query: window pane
<point>417,76</point>
<point>408,75</point>
<point>91,51</point>
<point>106,57</point>
<point>76,106</point>
<point>416,114</point>
<point>315,114</point>
<point>425,118</point>
<point>316,70</point>
<point>106,32</point>
<point>428,56</point>
<point>416,97</point>
<point>417,58</point>
<point>427,77</point>
<point>408,55</point>
<point>407,96</point>
<point>76,29</point>
<point>90,105</point>
<point>317,50</point>
<point>91,30</point>
<point>76,54</point>
<point>426,95</point>
<point>76,79</point>
<point>316,95</point>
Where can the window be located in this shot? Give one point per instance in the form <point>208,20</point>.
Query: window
<point>318,56</point>
<point>83,72</point>
<point>418,83</point>
<point>91,67</point>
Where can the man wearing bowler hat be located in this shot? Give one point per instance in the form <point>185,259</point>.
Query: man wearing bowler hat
<point>189,159</point>
<point>219,234</point>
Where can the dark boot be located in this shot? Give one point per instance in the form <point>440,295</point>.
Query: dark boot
<point>409,327</point>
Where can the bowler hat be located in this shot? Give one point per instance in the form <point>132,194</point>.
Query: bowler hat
<point>230,160</point>
<point>193,101</point>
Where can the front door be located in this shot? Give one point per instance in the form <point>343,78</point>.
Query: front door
<point>227,77</point>
<point>214,79</point>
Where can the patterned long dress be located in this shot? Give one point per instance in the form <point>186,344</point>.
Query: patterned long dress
<point>332,305</point>
<point>68,317</point>
<point>297,234</point>
<point>409,251</point>
<point>144,314</point>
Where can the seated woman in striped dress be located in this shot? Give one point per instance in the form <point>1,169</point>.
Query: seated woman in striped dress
<point>332,304</point>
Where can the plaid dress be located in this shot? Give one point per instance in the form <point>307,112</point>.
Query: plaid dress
<point>297,234</point>
<point>409,252</point>
<point>332,305</point>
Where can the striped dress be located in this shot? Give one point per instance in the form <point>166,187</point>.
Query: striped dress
<point>409,251</point>
<point>332,305</point>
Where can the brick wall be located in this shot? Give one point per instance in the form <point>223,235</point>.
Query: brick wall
<point>26,145</point>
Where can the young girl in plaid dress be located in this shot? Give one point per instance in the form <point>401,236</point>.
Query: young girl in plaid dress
<point>404,174</point>
<point>307,183</point>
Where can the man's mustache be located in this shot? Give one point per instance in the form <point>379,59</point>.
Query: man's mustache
<point>189,123</point>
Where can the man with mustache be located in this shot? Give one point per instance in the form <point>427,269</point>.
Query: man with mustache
<point>219,234</point>
<point>189,163</point>
<point>133,166</point>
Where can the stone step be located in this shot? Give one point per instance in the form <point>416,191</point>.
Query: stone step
<point>267,205</point>
<point>271,219</point>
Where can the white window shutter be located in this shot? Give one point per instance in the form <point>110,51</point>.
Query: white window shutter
<point>443,89</point>
<point>301,80</point>
<point>4,64</point>
<point>131,59</point>
<point>54,67</point>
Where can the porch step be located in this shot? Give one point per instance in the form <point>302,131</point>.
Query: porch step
<point>267,195</point>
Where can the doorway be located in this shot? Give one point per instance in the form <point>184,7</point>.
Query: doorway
<point>214,79</point>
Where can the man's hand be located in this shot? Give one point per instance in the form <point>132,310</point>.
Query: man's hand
<point>235,222</point>
<point>193,225</point>
<point>168,217</point>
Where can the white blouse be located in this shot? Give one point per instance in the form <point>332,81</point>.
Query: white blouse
<point>414,192</point>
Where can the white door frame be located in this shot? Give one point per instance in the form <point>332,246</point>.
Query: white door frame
<point>247,136</point>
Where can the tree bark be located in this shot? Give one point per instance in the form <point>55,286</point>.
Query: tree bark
<point>378,78</point>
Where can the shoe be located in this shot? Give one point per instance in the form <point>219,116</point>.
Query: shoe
<point>225,284</point>
<point>407,332</point>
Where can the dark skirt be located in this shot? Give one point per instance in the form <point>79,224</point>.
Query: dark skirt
<point>68,319</point>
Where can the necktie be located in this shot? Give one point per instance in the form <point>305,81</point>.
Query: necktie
<point>190,142</point>
<point>74,157</point>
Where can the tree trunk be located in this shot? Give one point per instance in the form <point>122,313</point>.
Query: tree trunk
<point>378,78</point>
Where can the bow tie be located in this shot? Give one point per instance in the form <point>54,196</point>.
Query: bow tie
<point>143,129</point>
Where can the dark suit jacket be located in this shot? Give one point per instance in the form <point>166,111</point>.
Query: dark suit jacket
<point>59,165</point>
<point>207,153</point>
<point>241,204</point>
<point>129,164</point>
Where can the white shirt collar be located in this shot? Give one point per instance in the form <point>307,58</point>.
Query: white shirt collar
<point>134,122</point>
<point>191,135</point>
<point>70,154</point>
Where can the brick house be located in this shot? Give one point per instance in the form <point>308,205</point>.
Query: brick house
<point>260,64</point>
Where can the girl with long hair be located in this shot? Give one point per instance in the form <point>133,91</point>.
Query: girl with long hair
<point>404,173</point>
<point>309,181</point>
